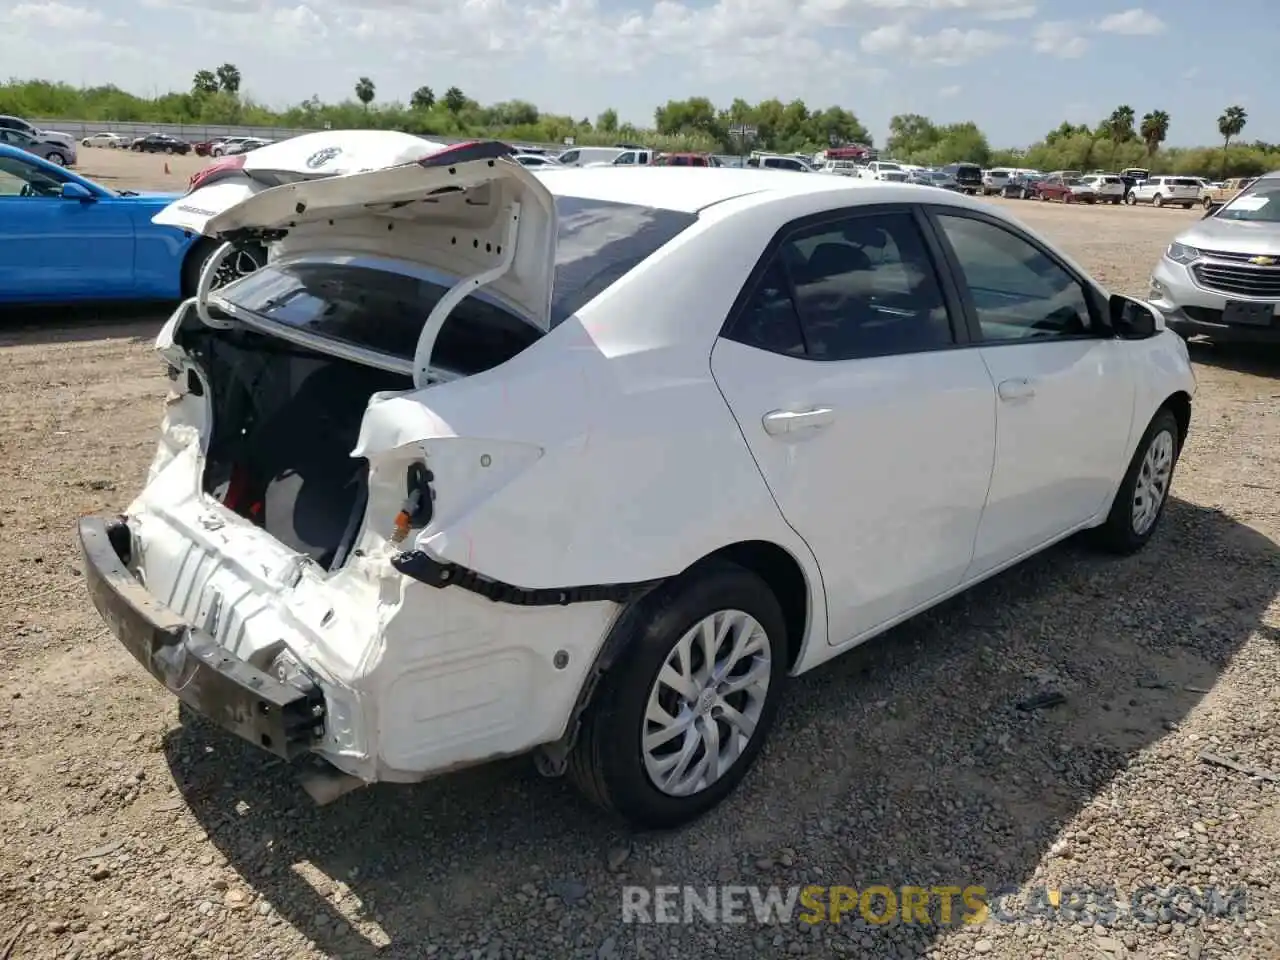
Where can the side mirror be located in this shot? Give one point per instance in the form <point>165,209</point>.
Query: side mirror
<point>1134,320</point>
<point>75,191</point>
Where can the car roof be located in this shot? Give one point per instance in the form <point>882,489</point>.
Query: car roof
<point>690,189</point>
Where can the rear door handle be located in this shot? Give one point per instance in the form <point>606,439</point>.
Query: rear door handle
<point>780,422</point>
<point>1019,388</point>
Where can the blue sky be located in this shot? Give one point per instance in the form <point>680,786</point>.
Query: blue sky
<point>1015,67</point>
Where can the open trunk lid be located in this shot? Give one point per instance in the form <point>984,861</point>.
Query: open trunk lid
<point>466,209</point>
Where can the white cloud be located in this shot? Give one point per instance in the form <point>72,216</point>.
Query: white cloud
<point>1191,73</point>
<point>949,92</point>
<point>1059,38</point>
<point>58,16</point>
<point>950,47</point>
<point>1135,22</point>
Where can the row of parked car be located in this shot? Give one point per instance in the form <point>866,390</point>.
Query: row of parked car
<point>1131,187</point>
<point>169,144</point>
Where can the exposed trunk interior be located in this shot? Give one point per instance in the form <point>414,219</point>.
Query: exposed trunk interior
<point>285,420</point>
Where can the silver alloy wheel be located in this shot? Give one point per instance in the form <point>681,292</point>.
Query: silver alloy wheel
<point>705,703</point>
<point>1152,485</point>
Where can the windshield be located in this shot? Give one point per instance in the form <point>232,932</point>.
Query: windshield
<point>889,166</point>
<point>1258,204</point>
<point>381,305</point>
<point>1073,182</point>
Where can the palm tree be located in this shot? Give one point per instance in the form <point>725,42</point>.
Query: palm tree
<point>365,92</point>
<point>424,98</point>
<point>1230,124</point>
<point>1120,124</point>
<point>1155,130</point>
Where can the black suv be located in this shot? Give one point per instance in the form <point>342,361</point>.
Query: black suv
<point>160,143</point>
<point>967,175</point>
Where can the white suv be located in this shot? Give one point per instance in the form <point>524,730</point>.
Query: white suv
<point>993,181</point>
<point>1107,187</point>
<point>1159,191</point>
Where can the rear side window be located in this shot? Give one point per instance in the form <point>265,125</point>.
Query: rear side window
<point>599,242</point>
<point>570,157</point>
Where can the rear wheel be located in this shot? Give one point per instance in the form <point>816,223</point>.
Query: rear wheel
<point>241,263</point>
<point>57,158</point>
<point>680,717</point>
<point>1144,491</point>
<point>1157,201</point>
<point>1207,203</point>
<point>1130,198</point>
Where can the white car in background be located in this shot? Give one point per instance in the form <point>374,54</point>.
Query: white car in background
<point>1107,187</point>
<point>995,180</point>
<point>883,170</point>
<point>1166,191</point>
<point>111,140</point>
<point>535,160</point>
<point>485,463</point>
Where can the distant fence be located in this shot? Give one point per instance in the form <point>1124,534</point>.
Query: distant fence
<point>197,133</point>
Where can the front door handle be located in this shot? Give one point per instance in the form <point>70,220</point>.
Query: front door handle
<point>1019,388</point>
<point>780,422</point>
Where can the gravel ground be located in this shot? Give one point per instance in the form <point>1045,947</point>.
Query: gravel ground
<point>125,832</point>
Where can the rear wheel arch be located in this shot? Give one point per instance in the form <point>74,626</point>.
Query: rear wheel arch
<point>776,566</point>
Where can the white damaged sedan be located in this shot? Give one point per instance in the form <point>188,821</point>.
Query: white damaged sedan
<point>485,462</point>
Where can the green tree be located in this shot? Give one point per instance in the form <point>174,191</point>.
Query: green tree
<point>229,78</point>
<point>423,98</point>
<point>1154,130</point>
<point>204,82</point>
<point>607,122</point>
<point>909,134</point>
<point>1230,124</point>
<point>455,100</point>
<point>365,92</point>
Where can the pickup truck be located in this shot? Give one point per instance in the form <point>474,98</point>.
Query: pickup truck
<point>1211,197</point>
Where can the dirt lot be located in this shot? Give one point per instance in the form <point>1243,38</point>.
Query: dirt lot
<point>124,833</point>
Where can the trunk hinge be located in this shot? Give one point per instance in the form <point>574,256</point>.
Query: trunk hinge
<point>457,293</point>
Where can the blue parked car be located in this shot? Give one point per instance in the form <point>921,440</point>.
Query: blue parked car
<point>65,239</point>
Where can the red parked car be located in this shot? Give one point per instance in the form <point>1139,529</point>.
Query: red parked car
<point>202,148</point>
<point>1066,189</point>
<point>685,160</point>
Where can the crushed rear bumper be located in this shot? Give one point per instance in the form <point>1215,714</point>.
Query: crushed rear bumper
<point>278,717</point>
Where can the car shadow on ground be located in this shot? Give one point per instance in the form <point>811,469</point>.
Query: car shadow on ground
<point>1259,359</point>
<point>69,324</point>
<point>910,761</point>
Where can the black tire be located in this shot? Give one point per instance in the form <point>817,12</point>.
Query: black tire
<point>607,764</point>
<point>55,157</point>
<point>1117,534</point>
<point>1157,201</point>
<point>199,255</point>
<point>1131,199</point>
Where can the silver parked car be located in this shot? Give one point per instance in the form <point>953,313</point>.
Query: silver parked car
<point>55,151</point>
<point>1221,278</point>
